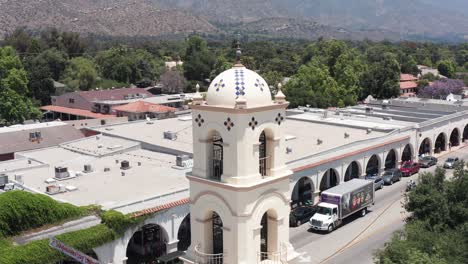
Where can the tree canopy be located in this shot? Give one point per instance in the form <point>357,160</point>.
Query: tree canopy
<point>437,231</point>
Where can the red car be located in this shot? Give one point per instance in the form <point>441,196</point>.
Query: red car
<point>409,168</point>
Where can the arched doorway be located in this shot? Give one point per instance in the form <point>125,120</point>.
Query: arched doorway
<point>352,171</point>
<point>216,157</point>
<point>217,229</point>
<point>147,244</point>
<point>373,165</point>
<point>465,133</point>
<point>407,153</point>
<point>262,154</point>
<point>302,192</point>
<point>184,234</point>
<point>440,143</point>
<point>425,148</point>
<point>330,179</point>
<point>391,160</point>
<point>268,236</point>
<point>454,138</point>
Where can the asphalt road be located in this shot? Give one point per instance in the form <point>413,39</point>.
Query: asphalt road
<point>359,237</point>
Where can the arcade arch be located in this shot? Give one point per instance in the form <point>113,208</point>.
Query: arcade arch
<point>329,179</point>
<point>465,133</point>
<point>454,138</point>
<point>353,171</point>
<point>407,153</point>
<point>425,147</point>
<point>147,244</point>
<point>391,160</point>
<point>373,165</point>
<point>302,192</point>
<point>184,234</point>
<point>440,143</point>
<point>268,235</point>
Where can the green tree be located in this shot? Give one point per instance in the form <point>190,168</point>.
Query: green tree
<point>15,107</point>
<point>16,80</point>
<point>381,80</point>
<point>447,68</point>
<point>409,65</point>
<point>41,85</point>
<point>80,74</point>
<point>55,61</point>
<point>222,64</point>
<point>312,85</point>
<point>198,62</point>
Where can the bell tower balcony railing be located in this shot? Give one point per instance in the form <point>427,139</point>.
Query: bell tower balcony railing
<point>207,258</point>
<point>279,257</point>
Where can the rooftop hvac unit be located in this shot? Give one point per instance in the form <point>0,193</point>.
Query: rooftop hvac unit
<point>19,178</point>
<point>288,150</point>
<point>106,169</point>
<point>170,135</point>
<point>369,130</point>
<point>125,165</point>
<point>61,172</point>
<point>180,160</point>
<point>122,173</point>
<point>54,189</point>
<point>87,168</point>
<point>369,110</point>
<point>3,179</point>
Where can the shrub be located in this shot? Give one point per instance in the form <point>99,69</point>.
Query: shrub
<point>21,211</point>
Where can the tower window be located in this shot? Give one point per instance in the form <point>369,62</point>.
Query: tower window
<point>217,158</point>
<point>262,155</point>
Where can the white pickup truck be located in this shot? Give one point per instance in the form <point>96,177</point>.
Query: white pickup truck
<point>341,201</point>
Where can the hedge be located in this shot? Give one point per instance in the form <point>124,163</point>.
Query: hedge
<point>21,211</point>
<point>39,252</point>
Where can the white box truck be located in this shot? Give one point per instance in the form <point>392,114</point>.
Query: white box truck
<point>341,201</point>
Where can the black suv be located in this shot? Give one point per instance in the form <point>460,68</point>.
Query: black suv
<point>300,215</point>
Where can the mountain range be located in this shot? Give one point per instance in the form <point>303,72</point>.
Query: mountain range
<point>309,19</point>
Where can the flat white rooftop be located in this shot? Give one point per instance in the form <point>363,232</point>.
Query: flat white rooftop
<point>303,133</point>
<point>150,176</point>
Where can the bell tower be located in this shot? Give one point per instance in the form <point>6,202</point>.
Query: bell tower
<point>239,185</point>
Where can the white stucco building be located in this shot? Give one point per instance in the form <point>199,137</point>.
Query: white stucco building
<point>239,185</point>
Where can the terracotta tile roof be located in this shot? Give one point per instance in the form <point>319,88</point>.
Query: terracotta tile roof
<point>408,85</point>
<point>112,94</point>
<point>144,107</point>
<point>74,111</point>
<point>161,207</point>
<point>407,77</point>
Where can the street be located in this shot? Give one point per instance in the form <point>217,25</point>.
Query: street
<point>356,241</point>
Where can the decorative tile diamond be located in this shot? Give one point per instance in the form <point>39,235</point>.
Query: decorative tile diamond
<point>253,123</point>
<point>259,84</point>
<point>240,82</point>
<point>199,120</point>
<point>279,119</point>
<point>219,85</point>
<point>228,124</point>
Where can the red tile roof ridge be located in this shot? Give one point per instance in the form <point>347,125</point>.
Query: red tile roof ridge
<point>160,208</point>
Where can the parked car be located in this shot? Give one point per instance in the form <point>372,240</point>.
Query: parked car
<point>409,168</point>
<point>450,162</point>
<point>391,176</point>
<point>427,161</point>
<point>378,181</point>
<point>300,215</point>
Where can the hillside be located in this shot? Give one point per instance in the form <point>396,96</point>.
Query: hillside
<point>432,18</point>
<point>356,19</point>
<point>116,18</point>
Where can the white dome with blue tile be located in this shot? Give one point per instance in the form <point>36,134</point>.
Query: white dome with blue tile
<point>238,82</point>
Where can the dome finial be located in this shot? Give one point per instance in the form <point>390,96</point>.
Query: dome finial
<point>280,97</point>
<point>238,51</point>
<point>197,98</point>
